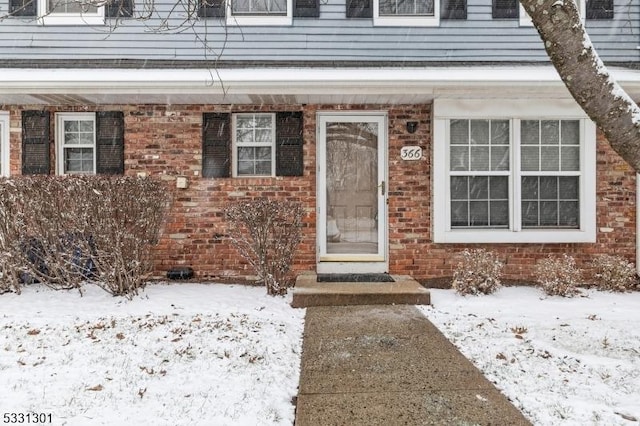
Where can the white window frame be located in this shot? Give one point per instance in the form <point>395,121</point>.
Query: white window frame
<point>236,145</point>
<point>525,19</point>
<point>261,19</point>
<point>514,110</point>
<point>407,20</point>
<point>61,117</point>
<point>59,18</point>
<point>4,144</point>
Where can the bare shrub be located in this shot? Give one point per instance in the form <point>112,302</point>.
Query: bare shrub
<point>559,276</point>
<point>266,233</point>
<point>9,262</point>
<point>479,272</point>
<point>614,273</point>
<point>64,230</point>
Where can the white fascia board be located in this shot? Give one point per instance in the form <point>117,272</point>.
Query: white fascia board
<point>286,80</point>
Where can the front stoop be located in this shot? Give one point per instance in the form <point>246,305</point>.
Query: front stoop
<point>404,291</point>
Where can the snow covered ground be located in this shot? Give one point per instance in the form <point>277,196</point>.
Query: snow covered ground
<point>562,361</point>
<point>197,354</point>
<point>179,354</point>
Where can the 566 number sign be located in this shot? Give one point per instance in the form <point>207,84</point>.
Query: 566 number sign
<point>411,153</point>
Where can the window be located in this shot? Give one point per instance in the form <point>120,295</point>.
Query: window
<point>406,12</point>
<point>70,12</point>
<point>253,138</point>
<point>259,12</point>
<point>4,143</point>
<point>260,144</point>
<point>76,141</point>
<point>513,172</point>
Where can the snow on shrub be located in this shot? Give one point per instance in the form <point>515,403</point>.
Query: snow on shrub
<point>65,230</point>
<point>266,233</point>
<point>479,272</point>
<point>614,273</point>
<point>559,276</point>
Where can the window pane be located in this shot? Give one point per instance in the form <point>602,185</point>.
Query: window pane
<point>499,158</point>
<point>459,158</point>
<point>459,132</point>
<point>259,6</point>
<point>557,204</point>
<point>569,214</point>
<point>499,132</point>
<point>459,188</point>
<point>570,158</point>
<point>499,187</point>
<point>479,158</point>
<point>499,213</point>
<point>405,7</point>
<point>459,213</point>
<point>529,158</point>
<point>478,213</point>
<point>254,161</point>
<point>549,160</point>
<point>78,160</point>
<point>570,132</point>
<point>263,135</point>
<point>480,132</point>
<point>70,6</point>
<point>529,132</point>
<point>550,132</point>
<point>478,188</point>
<point>548,187</point>
<point>568,187</point>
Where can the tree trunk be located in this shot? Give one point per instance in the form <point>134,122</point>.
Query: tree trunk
<point>585,76</point>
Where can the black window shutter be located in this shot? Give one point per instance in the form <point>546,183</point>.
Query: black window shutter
<point>216,145</point>
<point>23,7</point>
<point>306,8</point>
<point>359,8</point>
<point>505,9</point>
<point>453,9</point>
<point>110,142</point>
<point>35,143</point>
<point>119,9</point>
<point>289,161</point>
<point>599,9</point>
<point>211,9</point>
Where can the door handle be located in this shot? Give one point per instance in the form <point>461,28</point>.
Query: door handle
<point>382,187</point>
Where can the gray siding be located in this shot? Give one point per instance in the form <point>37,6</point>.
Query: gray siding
<point>331,37</point>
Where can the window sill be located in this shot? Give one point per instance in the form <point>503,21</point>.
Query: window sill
<point>71,20</point>
<point>526,236</point>
<point>259,20</point>
<point>406,21</point>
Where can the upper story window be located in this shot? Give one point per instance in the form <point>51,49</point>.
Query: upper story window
<point>4,143</point>
<point>406,12</point>
<point>513,172</point>
<point>259,12</point>
<point>70,12</point>
<point>588,9</point>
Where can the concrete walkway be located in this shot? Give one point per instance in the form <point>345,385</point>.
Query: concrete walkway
<point>388,365</point>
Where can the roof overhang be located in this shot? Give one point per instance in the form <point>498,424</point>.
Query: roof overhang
<point>59,86</point>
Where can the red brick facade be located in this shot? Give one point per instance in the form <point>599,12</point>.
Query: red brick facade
<point>166,142</point>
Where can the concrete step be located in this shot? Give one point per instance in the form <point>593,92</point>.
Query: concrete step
<point>403,291</point>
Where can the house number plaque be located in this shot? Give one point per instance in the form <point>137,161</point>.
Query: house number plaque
<point>409,153</point>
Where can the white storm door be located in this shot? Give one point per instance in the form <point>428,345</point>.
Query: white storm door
<point>352,191</point>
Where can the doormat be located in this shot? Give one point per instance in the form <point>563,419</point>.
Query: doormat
<point>354,278</point>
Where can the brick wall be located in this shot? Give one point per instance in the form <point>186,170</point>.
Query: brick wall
<point>165,142</point>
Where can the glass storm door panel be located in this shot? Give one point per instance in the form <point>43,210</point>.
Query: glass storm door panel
<point>352,188</point>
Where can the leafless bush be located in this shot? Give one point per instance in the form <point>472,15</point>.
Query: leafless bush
<point>63,231</point>
<point>559,276</point>
<point>614,273</point>
<point>478,273</point>
<point>266,233</point>
<point>9,262</point>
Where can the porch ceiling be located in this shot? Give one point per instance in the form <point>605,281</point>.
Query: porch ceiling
<point>285,86</point>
